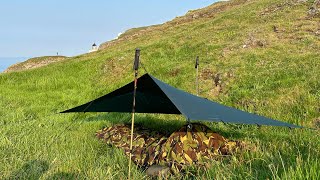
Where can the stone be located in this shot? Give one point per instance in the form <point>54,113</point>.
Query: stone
<point>157,170</point>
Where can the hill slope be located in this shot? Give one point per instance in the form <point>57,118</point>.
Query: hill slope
<point>265,53</point>
<point>35,63</point>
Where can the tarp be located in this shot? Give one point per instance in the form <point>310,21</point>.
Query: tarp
<point>155,96</point>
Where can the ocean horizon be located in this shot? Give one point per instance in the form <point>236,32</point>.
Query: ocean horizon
<point>5,62</point>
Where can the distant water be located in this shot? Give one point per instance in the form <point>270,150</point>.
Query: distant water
<point>5,62</point>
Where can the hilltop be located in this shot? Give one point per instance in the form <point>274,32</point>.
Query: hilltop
<point>207,12</point>
<point>260,56</point>
<point>35,62</point>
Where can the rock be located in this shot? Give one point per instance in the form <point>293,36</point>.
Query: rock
<point>315,8</point>
<point>157,170</point>
<point>313,11</point>
<point>260,43</point>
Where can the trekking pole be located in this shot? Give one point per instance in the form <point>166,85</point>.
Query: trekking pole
<point>197,72</point>
<point>135,67</point>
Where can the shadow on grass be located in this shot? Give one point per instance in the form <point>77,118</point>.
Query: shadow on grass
<point>163,125</point>
<point>35,169</point>
<point>166,124</point>
<point>31,170</point>
<point>64,176</point>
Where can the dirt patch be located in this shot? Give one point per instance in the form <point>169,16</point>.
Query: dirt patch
<point>316,123</point>
<point>253,42</point>
<point>280,7</point>
<point>174,72</point>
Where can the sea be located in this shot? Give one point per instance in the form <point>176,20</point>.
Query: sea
<point>5,62</point>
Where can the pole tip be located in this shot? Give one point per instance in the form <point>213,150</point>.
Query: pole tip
<point>197,62</point>
<point>136,59</point>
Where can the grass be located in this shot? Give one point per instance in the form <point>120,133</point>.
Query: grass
<point>279,80</point>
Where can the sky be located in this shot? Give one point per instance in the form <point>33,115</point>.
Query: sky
<point>40,28</point>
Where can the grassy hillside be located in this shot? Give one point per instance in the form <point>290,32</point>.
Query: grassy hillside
<point>35,63</point>
<point>268,55</point>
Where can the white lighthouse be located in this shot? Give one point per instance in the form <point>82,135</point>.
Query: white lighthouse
<point>93,48</point>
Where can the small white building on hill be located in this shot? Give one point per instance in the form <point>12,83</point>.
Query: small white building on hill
<point>94,48</point>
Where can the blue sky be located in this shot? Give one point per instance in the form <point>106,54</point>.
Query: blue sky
<point>37,28</point>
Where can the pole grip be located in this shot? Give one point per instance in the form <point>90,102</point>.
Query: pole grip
<point>136,59</point>
<point>197,62</point>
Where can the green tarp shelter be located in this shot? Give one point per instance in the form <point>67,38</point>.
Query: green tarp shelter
<point>155,96</point>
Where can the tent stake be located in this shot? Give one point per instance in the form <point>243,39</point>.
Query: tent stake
<point>136,67</point>
<point>197,72</point>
